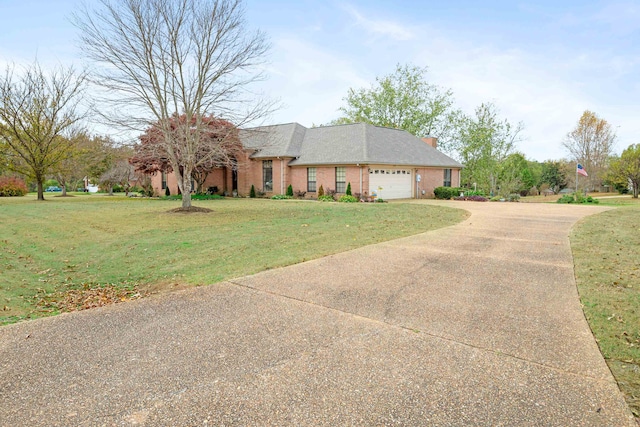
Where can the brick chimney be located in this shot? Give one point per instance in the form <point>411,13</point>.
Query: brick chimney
<point>431,140</point>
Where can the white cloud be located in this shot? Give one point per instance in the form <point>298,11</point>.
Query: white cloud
<point>310,81</point>
<point>381,27</point>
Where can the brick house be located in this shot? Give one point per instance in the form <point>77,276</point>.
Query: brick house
<point>388,163</point>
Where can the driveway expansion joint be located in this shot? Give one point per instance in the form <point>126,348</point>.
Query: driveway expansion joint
<point>421,333</point>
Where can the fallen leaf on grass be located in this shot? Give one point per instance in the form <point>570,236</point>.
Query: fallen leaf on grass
<point>86,298</point>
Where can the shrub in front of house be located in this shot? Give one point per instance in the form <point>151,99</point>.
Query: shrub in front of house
<point>281,197</point>
<point>347,198</point>
<point>326,198</point>
<point>252,192</point>
<point>320,192</point>
<point>348,192</point>
<point>167,192</point>
<point>12,187</point>
<point>290,191</point>
<point>447,193</point>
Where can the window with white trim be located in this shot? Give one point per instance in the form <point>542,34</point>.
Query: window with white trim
<point>447,178</point>
<point>341,178</point>
<point>311,180</point>
<point>267,175</point>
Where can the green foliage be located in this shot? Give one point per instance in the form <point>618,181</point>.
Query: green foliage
<point>51,183</point>
<point>347,198</point>
<point>252,192</point>
<point>281,196</point>
<point>326,198</point>
<point>348,192</point>
<point>320,192</point>
<point>577,198</point>
<point>626,169</point>
<point>290,191</point>
<point>484,142</point>
<point>12,187</point>
<point>515,176</point>
<point>167,192</point>
<point>205,196</point>
<point>447,193</point>
<point>403,100</point>
<point>553,175</point>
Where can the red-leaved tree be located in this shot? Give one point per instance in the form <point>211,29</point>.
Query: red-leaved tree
<point>218,146</point>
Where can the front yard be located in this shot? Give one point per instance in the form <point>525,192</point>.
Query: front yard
<point>136,246</point>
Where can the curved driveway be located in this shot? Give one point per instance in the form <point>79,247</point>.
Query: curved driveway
<point>476,324</point>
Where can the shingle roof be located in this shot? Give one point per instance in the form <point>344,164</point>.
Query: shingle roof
<point>358,143</point>
<point>274,141</point>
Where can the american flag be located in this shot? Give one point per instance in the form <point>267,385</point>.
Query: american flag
<point>581,170</point>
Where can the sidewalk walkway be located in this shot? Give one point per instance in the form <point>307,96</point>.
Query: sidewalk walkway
<point>476,324</point>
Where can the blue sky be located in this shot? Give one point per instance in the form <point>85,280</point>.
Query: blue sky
<point>542,63</point>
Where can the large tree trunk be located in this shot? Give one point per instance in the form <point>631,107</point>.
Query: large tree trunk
<point>184,185</point>
<point>40,184</point>
<point>636,188</point>
<point>64,190</point>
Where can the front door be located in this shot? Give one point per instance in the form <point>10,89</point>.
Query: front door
<point>234,179</point>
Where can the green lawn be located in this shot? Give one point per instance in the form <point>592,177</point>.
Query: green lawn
<point>75,242</point>
<point>606,250</point>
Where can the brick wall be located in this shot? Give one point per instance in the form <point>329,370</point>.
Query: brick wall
<point>434,177</point>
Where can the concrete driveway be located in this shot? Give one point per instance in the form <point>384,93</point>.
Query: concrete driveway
<point>476,324</point>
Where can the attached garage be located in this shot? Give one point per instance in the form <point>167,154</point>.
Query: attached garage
<point>390,183</point>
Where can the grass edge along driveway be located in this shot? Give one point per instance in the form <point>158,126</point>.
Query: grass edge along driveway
<point>605,251</point>
<point>113,248</point>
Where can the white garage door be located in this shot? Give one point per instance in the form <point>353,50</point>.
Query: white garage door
<point>390,183</point>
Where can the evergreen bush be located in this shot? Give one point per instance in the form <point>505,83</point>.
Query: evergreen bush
<point>167,192</point>
<point>290,191</point>
<point>320,192</point>
<point>252,192</point>
<point>348,193</point>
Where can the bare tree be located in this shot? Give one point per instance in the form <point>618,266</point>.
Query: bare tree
<point>39,115</point>
<point>121,173</point>
<point>590,144</point>
<point>159,58</point>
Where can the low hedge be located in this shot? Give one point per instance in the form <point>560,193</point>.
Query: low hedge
<point>447,192</point>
